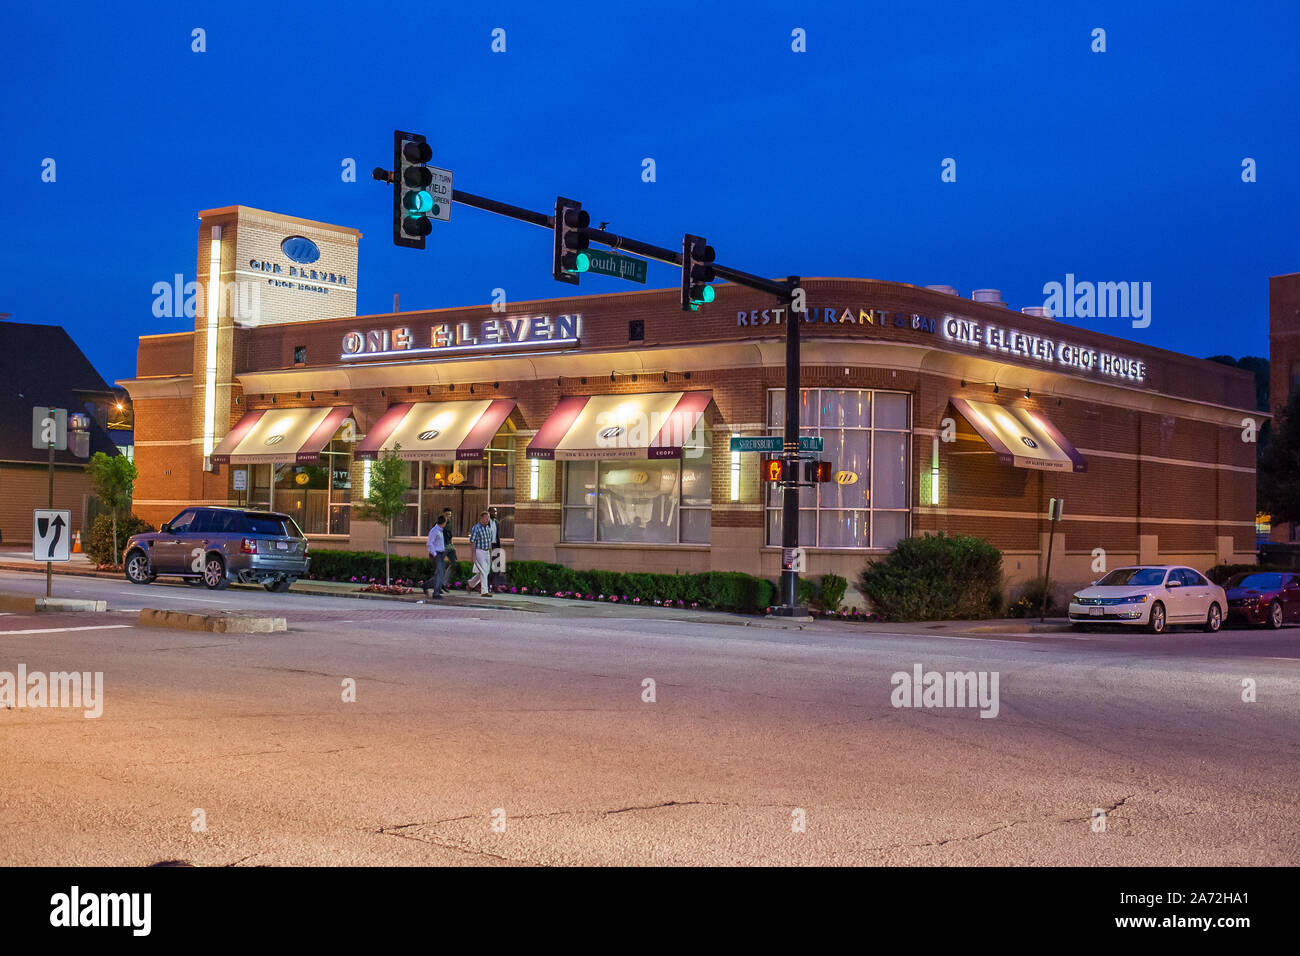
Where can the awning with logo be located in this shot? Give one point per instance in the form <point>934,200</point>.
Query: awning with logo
<point>1021,437</point>
<point>441,431</point>
<point>280,435</point>
<point>649,425</point>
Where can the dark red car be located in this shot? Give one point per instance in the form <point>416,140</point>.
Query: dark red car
<point>1264,597</point>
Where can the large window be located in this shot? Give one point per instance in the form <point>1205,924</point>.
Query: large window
<point>665,501</point>
<point>318,497</point>
<point>468,488</point>
<point>867,437</point>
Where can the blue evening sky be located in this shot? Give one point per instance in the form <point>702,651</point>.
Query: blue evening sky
<point>1116,166</point>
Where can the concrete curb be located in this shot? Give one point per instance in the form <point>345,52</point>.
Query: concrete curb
<point>220,623</point>
<point>26,604</point>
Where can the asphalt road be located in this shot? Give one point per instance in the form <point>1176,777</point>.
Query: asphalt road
<point>488,735</point>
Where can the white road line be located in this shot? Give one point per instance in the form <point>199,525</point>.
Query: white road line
<point>61,630</point>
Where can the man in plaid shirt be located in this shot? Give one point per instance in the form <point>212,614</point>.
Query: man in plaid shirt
<point>480,537</point>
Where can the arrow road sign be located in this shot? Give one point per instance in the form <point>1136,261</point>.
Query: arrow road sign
<point>51,534</point>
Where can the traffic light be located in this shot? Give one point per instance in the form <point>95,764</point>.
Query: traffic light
<point>817,471</point>
<point>412,200</point>
<point>571,240</point>
<point>697,273</point>
<point>773,469</point>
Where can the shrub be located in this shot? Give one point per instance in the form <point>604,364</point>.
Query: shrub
<point>98,545</point>
<point>832,591</point>
<point>934,578</point>
<point>1031,600</point>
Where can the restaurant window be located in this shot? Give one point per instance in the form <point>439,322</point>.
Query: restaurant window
<point>318,496</point>
<point>867,437</point>
<point>468,487</point>
<point>637,500</point>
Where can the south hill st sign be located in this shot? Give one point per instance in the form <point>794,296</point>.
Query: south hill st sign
<point>510,332</point>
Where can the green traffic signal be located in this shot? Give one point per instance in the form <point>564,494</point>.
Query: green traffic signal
<point>708,294</point>
<point>583,263</point>
<point>418,202</point>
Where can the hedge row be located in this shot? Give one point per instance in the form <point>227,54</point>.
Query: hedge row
<point>718,590</point>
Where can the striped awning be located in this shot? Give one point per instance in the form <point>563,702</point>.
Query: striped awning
<point>648,425</point>
<point>438,431</point>
<point>1020,437</point>
<point>279,435</point>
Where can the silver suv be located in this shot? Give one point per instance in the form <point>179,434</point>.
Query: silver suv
<point>214,546</point>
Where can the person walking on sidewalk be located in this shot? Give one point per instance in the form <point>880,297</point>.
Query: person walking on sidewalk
<point>438,554</point>
<point>480,537</point>
<point>498,576</point>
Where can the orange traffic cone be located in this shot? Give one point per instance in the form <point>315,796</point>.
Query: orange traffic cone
<point>76,544</point>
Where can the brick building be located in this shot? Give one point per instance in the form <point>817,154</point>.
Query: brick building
<point>40,365</point>
<point>599,426</point>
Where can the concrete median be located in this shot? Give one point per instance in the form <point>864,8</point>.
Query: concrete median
<point>222,623</point>
<point>30,604</point>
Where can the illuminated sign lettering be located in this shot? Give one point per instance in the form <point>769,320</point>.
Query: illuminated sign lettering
<point>997,338</point>
<point>510,332</point>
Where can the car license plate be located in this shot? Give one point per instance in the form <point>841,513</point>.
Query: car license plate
<point>1096,611</point>
<point>282,545</point>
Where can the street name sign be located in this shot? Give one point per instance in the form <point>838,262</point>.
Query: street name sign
<point>51,535</point>
<point>772,443</point>
<point>620,267</point>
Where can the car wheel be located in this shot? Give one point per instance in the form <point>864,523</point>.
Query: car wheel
<point>1214,619</point>
<point>1156,624</point>
<point>137,568</point>
<point>1275,615</point>
<point>277,587</point>
<point>214,573</point>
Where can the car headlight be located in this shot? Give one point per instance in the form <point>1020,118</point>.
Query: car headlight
<point>1076,598</point>
<point>1134,599</point>
<point>1250,601</point>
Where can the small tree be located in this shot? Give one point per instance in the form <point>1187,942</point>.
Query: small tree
<point>113,478</point>
<point>1279,465</point>
<point>389,482</point>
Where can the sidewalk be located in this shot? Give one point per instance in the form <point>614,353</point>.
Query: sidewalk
<point>1013,627</point>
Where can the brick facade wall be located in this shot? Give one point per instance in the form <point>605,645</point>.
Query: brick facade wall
<point>1181,480</point>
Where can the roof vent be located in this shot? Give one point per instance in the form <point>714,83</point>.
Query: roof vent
<point>945,289</point>
<point>991,296</point>
<point>1038,310</point>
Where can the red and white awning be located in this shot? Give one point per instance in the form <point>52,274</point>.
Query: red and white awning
<point>649,425</point>
<point>279,435</point>
<point>1020,437</point>
<point>438,431</point>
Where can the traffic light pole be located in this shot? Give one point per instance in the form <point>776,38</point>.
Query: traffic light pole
<point>790,443</point>
<point>784,291</point>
